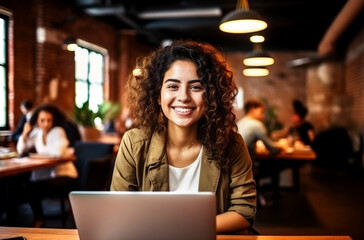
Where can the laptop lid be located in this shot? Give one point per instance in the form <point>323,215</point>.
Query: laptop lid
<point>104,215</point>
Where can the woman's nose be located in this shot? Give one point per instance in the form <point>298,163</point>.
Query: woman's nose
<point>183,95</point>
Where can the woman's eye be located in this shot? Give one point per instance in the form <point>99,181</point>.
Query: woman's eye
<point>196,88</point>
<point>172,87</point>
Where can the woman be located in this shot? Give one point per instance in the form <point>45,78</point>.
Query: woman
<point>45,133</point>
<point>186,138</point>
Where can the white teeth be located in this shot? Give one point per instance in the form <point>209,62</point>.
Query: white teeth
<point>178,109</point>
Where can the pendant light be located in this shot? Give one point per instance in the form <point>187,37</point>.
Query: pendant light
<point>255,72</point>
<point>70,44</point>
<point>258,57</point>
<point>242,20</point>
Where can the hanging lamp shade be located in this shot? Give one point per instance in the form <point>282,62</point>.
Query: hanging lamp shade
<point>242,20</point>
<point>255,72</point>
<point>258,58</point>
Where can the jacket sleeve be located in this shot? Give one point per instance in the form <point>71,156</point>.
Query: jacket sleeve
<point>242,184</point>
<point>124,174</point>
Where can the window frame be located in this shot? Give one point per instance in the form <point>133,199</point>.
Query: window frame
<point>5,65</point>
<point>88,81</point>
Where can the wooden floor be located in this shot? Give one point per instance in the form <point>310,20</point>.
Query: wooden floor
<point>329,202</point>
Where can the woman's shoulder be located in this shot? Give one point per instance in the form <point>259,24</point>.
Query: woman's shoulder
<point>136,135</point>
<point>57,131</point>
<point>236,139</point>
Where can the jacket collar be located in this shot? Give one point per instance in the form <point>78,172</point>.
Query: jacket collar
<point>158,169</point>
<point>157,164</point>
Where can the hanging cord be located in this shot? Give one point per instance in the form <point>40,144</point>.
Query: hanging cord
<point>242,4</point>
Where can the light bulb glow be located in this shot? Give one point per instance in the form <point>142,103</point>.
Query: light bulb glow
<point>258,61</point>
<point>72,47</point>
<point>243,26</point>
<point>256,72</point>
<point>257,39</point>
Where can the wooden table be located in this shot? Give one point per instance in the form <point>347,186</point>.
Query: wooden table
<point>14,166</point>
<point>293,158</point>
<point>72,234</point>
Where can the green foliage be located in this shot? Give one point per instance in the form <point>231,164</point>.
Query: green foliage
<point>86,117</point>
<point>271,121</point>
<point>108,111</point>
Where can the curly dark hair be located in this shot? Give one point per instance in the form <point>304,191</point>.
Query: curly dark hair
<point>218,120</point>
<point>59,119</point>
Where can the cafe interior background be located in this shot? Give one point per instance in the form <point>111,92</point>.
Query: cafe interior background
<point>37,66</point>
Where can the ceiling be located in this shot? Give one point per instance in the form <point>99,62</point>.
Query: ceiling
<point>292,24</point>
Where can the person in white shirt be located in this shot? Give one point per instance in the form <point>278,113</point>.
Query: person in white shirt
<point>252,129</point>
<point>45,133</point>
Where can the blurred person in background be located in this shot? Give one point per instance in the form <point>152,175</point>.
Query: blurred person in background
<point>45,133</point>
<point>252,129</point>
<point>26,107</point>
<point>300,132</point>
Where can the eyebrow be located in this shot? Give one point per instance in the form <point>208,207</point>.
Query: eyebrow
<point>178,81</point>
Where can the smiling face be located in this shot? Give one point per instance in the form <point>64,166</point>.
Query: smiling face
<point>45,121</point>
<point>181,96</point>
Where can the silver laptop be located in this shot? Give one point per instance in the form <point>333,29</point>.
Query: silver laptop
<point>103,215</point>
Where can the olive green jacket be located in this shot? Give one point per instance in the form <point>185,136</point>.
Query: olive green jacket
<point>141,165</point>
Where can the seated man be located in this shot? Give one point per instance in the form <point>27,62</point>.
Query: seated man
<point>252,129</point>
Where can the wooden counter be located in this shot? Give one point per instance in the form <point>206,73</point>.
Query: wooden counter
<point>71,234</point>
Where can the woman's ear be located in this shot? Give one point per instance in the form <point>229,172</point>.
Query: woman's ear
<point>159,100</point>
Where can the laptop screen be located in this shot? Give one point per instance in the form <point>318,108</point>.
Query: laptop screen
<point>104,215</point>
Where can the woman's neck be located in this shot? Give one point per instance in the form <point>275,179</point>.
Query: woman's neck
<point>182,146</point>
<point>182,137</point>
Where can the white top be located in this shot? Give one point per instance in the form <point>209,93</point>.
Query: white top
<point>56,146</point>
<point>185,179</point>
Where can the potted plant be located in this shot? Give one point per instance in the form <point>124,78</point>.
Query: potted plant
<point>85,118</point>
<point>108,111</point>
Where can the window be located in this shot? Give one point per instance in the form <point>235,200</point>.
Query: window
<point>89,78</point>
<point>4,120</point>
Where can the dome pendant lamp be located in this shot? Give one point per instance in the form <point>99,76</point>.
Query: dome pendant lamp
<point>242,20</point>
<point>255,72</point>
<point>258,57</point>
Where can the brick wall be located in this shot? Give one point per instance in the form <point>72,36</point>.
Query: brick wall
<point>354,75</point>
<point>39,64</point>
<point>279,88</point>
